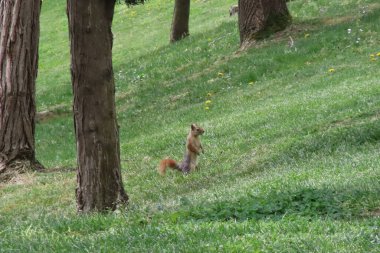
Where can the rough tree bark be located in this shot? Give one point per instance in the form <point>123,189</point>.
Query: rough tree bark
<point>180,23</point>
<point>99,182</point>
<point>259,18</point>
<point>19,37</point>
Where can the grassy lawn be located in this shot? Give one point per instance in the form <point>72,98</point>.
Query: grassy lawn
<point>292,137</point>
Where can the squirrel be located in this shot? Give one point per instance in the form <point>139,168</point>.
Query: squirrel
<point>193,149</point>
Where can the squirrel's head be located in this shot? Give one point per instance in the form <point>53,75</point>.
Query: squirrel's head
<point>196,130</point>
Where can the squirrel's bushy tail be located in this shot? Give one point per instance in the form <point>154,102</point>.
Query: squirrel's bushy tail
<point>167,163</point>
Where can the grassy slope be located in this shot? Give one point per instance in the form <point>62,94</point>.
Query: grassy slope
<point>291,161</point>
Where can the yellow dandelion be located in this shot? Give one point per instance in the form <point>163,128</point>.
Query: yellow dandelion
<point>220,74</point>
<point>208,102</point>
<point>378,54</point>
<point>209,94</point>
<point>373,59</point>
<point>372,55</point>
<point>251,82</point>
<point>207,108</point>
<point>331,70</point>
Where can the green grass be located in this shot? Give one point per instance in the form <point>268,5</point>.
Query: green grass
<point>291,159</point>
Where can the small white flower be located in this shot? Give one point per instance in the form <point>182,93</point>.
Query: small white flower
<point>349,30</point>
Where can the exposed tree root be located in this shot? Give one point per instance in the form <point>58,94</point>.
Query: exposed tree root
<point>17,167</point>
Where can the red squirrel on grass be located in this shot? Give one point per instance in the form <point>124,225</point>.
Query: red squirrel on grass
<point>193,149</point>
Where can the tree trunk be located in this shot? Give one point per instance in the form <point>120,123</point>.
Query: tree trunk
<point>260,18</point>
<point>19,36</point>
<point>180,24</point>
<point>99,182</point>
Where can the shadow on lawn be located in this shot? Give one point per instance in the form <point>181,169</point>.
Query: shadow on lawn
<point>306,202</point>
<point>338,136</point>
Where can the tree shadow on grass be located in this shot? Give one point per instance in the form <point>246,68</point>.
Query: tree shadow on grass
<point>305,202</point>
<point>60,170</point>
<point>337,136</point>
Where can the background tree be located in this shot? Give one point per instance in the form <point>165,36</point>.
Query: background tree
<point>19,37</point>
<point>259,18</point>
<point>180,23</point>
<point>99,182</point>
<point>134,2</point>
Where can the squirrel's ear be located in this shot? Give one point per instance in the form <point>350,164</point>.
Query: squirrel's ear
<point>192,126</point>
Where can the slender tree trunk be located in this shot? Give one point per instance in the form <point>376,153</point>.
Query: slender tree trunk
<point>19,36</point>
<point>180,24</point>
<point>99,182</point>
<point>259,18</point>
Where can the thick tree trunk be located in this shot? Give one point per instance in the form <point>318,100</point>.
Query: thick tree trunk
<point>180,24</point>
<point>99,182</point>
<point>19,36</point>
<point>259,18</point>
